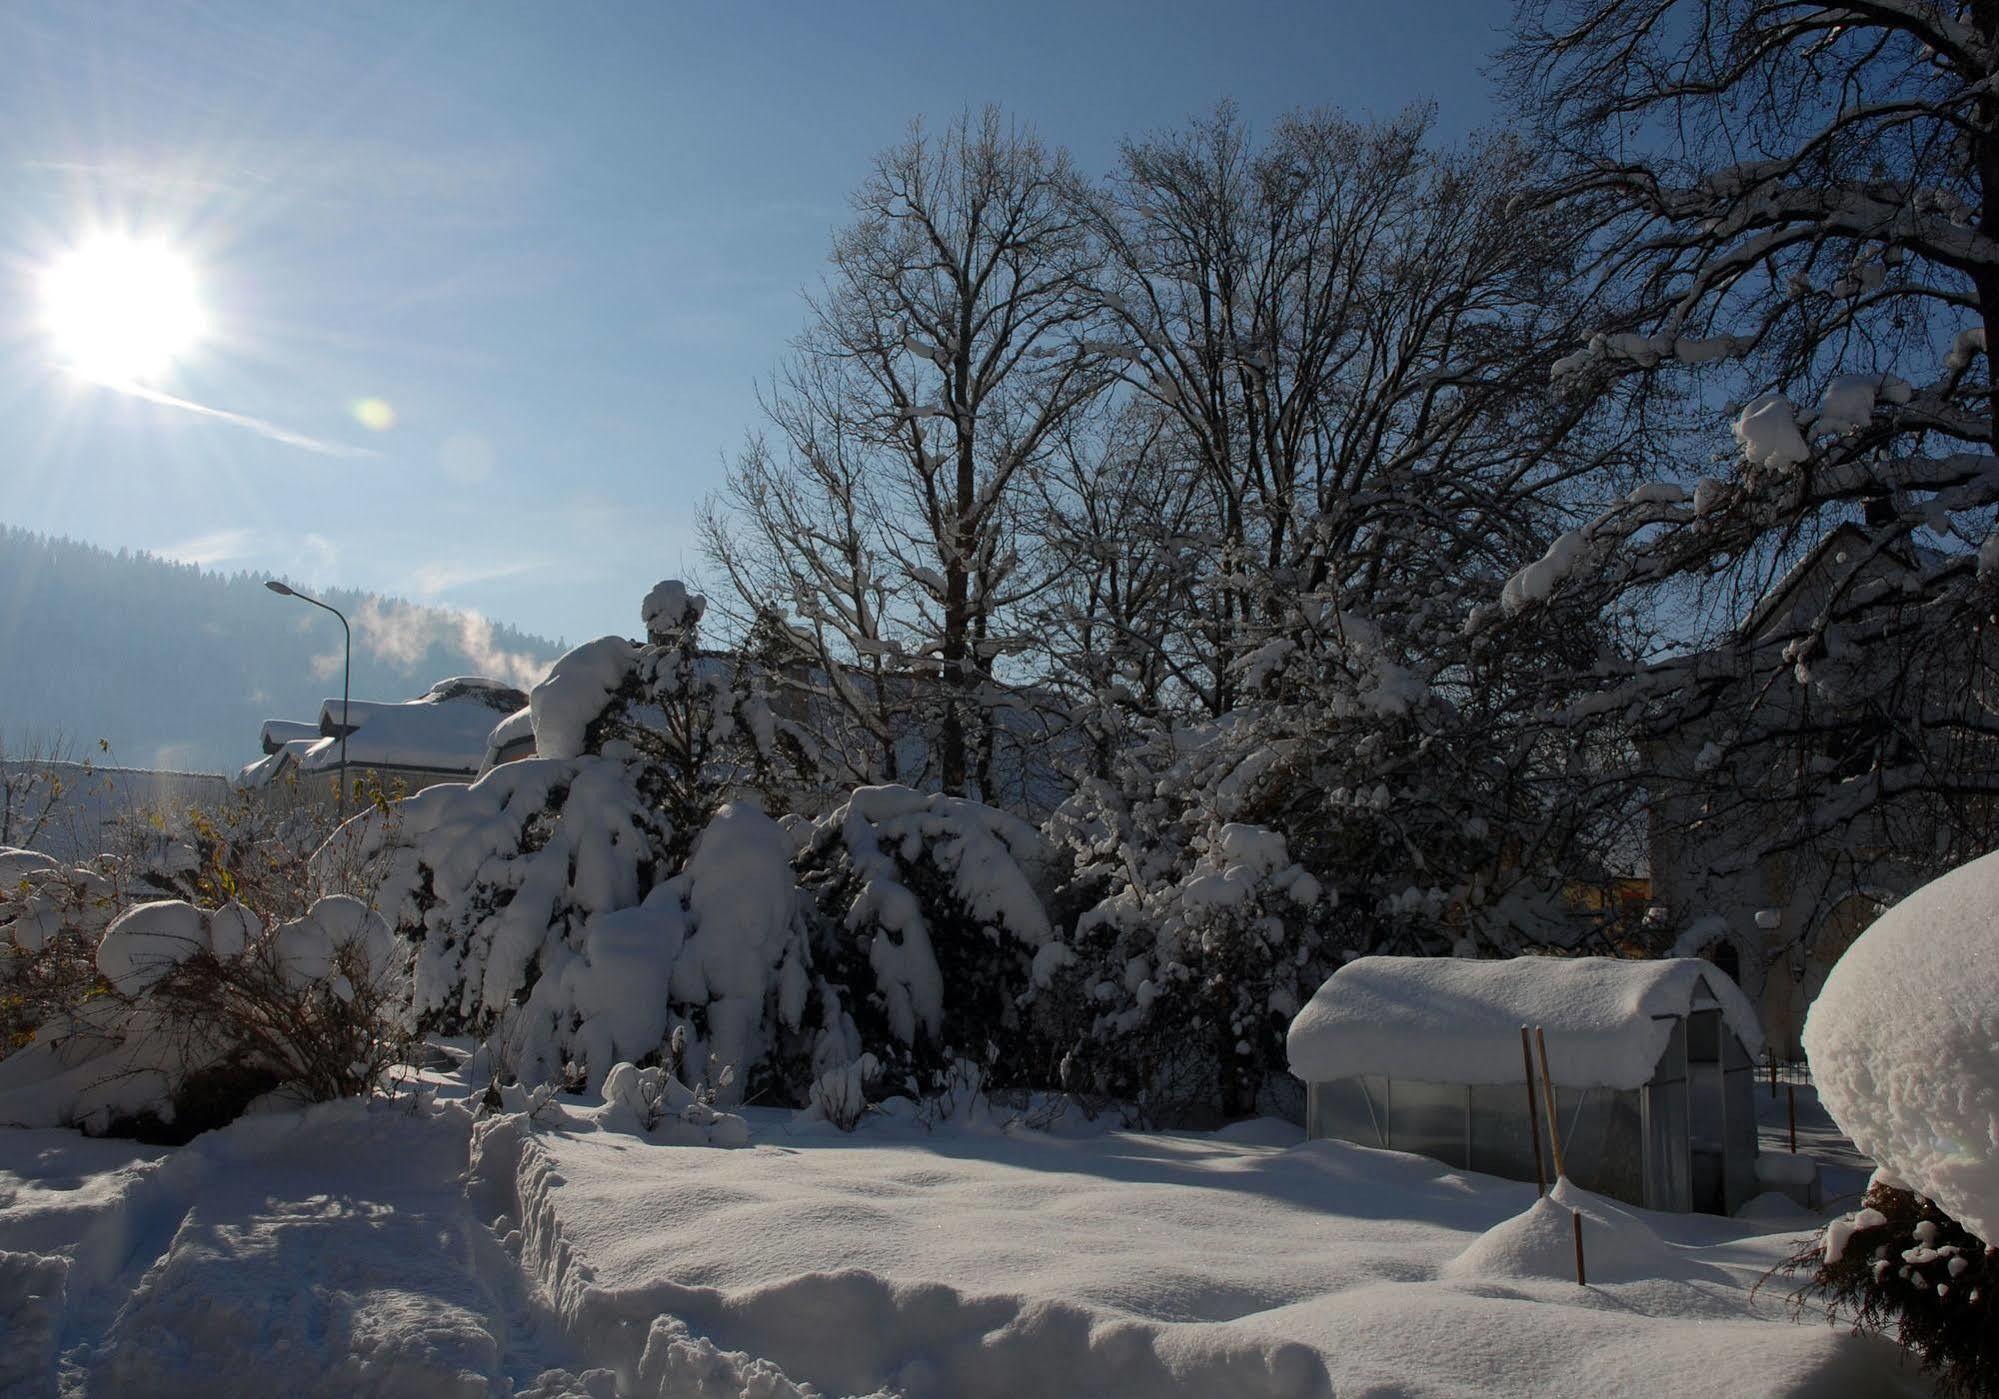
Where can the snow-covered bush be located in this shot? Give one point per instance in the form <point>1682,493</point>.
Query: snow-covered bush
<point>194,1013</point>
<point>541,867</point>
<point>1904,1043</point>
<point>1191,952</point>
<point>654,1102</point>
<point>840,1094</point>
<point>930,935</point>
<point>1904,1047</point>
<point>490,882</point>
<point>711,972</point>
<point>1899,1264</point>
<point>51,916</point>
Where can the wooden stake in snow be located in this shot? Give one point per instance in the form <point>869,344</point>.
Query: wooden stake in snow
<point>1548,1092</point>
<point>1533,1112</point>
<point>1791,1109</point>
<point>1555,1142</point>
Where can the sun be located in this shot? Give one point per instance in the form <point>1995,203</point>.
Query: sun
<point>121,310</point>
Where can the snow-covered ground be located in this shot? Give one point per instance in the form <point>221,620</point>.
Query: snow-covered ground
<point>379,1249</point>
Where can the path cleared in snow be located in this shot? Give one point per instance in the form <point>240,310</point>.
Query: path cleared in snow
<point>374,1250</point>
<point>325,1253</point>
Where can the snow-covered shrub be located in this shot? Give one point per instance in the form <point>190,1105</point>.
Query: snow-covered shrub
<point>929,936</point>
<point>51,916</point>
<point>1901,1265</point>
<point>544,867</point>
<point>196,1012</point>
<point>1904,1047</point>
<point>1904,1043</point>
<point>840,1094</point>
<point>711,972</point>
<point>1191,951</point>
<point>653,1101</point>
<point>491,882</point>
<point>259,852</point>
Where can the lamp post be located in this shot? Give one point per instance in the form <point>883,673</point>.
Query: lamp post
<point>346,675</point>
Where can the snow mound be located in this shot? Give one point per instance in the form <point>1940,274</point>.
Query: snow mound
<point>982,1264</point>
<point>1904,1043</point>
<point>575,694</point>
<point>16,865</point>
<point>1618,1246</point>
<point>1453,1020</point>
<point>308,948</point>
<point>147,941</point>
<point>33,1289</point>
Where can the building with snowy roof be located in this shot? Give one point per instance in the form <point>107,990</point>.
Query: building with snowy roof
<point>440,736</point>
<point>1653,1064</point>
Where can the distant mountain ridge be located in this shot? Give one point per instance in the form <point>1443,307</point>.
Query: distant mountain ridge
<point>176,666</point>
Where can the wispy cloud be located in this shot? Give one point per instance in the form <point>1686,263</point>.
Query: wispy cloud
<point>260,426</point>
<point>218,546</point>
<point>442,575</point>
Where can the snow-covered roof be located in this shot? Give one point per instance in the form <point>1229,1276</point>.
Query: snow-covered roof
<point>490,696</point>
<point>357,712</point>
<point>278,732</point>
<point>512,737</point>
<point>1456,1020</point>
<point>442,730</point>
<point>1770,608</point>
<point>272,765</point>
<point>436,736</point>
<point>496,695</point>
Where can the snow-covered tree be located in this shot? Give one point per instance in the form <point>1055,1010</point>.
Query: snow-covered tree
<point>1190,952</point>
<point>931,936</point>
<point>1347,327</point>
<point>1342,333</point>
<point>498,884</point>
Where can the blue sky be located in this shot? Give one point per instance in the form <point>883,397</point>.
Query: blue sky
<point>561,243</point>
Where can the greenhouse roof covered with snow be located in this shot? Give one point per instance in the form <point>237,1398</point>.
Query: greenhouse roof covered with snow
<point>1456,1020</point>
<point>1652,1064</point>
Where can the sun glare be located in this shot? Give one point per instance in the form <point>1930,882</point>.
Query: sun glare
<point>121,310</point>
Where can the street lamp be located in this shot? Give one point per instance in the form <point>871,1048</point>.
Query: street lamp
<point>346,674</point>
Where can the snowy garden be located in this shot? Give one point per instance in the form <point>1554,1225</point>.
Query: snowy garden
<point>1336,763</point>
<point>613,1083</point>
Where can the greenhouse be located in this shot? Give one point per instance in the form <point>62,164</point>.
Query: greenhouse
<point>1653,1066</point>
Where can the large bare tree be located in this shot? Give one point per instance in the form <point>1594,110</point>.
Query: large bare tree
<point>937,370</point>
<point>1349,328</point>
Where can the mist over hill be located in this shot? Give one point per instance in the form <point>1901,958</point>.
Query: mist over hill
<point>177,666</point>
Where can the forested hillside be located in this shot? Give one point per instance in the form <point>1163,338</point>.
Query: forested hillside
<point>176,666</point>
